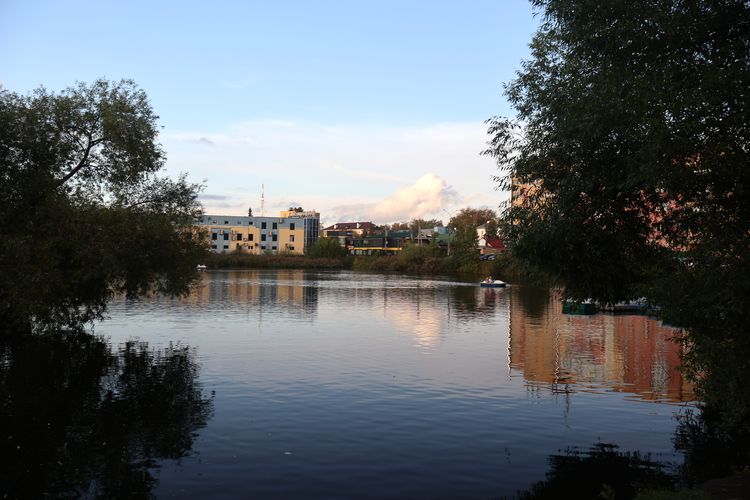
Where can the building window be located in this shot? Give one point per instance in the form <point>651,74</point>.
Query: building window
<point>291,238</point>
<point>274,226</point>
<point>291,226</point>
<point>214,236</point>
<point>213,246</point>
<point>273,247</point>
<point>291,247</point>
<point>239,237</point>
<point>226,236</point>
<point>250,237</point>
<point>262,225</point>
<point>274,237</point>
<point>226,222</point>
<point>262,237</point>
<point>226,246</point>
<point>250,223</point>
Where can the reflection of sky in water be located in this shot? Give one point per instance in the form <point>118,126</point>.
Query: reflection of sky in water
<point>354,383</point>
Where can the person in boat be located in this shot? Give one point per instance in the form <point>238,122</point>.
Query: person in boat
<point>489,279</point>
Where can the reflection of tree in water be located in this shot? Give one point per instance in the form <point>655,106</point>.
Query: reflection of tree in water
<point>600,472</point>
<point>533,300</point>
<point>476,301</point>
<point>464,299</point>
<point>604,472</point>
<point>79,419</point>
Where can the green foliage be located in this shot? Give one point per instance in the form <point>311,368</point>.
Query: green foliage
<point>246,261</point>
<point>85,214</point>
<point>464,248</point>
<point>472,217</point>
<point>511,270</point>
<point>631,142</point>
<point>421,261</point>
<point>397,226</point>
<point>329,248</point>
<point>491,228</point>
<point>709,452</point>
<point>463,228</point>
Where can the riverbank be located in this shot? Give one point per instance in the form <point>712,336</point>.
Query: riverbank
<point>414,262</point>
<point>238,261</point>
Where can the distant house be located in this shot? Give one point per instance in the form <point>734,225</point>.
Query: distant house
<point>490,246</point>
<point>443,240</point>
<point>347,232</point>
<point>381,241</point>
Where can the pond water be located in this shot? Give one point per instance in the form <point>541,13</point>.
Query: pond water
<point>299,384</point>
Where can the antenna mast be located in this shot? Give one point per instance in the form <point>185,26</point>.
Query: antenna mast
<point>262,200</point>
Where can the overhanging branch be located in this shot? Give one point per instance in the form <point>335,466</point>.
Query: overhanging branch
<point>81,163</point>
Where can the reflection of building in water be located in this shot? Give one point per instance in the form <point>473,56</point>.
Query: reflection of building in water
<point>625,352</point>
<point>252,288</point>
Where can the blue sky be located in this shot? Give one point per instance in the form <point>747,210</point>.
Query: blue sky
<point>367,110</point>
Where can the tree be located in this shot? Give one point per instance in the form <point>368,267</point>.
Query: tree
<point>463,227</point>
<point>472,217</point>
<point>327,248</point>
<point>464,248</point>
<point>85,214</point>
<point>397,226</point>
<point>416,224</point>
<point>630,148</point>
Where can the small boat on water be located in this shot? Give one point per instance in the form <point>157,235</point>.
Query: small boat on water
<point>492,284</point>
<point>201,267</point>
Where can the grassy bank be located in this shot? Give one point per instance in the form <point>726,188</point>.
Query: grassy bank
<point>235,261</point>
<point>394,264</point>
<point>413,260</point>
<point>423,260</point>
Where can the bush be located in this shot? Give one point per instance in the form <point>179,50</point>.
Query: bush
<point>326,248</point>
<point>413,259</point>
<point>245,261</point>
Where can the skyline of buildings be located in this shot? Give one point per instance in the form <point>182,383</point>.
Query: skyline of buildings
<point>291,232</point>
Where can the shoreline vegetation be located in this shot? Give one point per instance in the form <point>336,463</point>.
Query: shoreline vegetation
<point>245,261</point>
<point>415,262</point>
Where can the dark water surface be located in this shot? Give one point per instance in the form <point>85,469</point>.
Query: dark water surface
<point>297,384</point>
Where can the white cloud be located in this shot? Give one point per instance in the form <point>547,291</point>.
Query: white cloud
<point>424,198</point>
<point>379,173</point>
